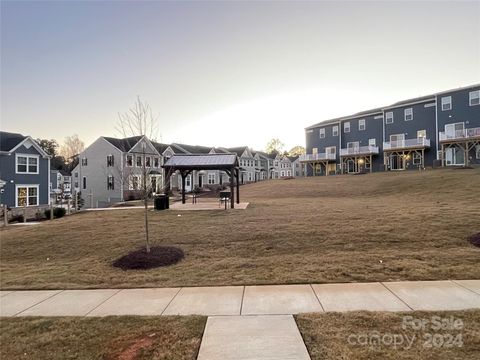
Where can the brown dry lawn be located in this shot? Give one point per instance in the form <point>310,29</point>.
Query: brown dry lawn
<point>331,336</point>
<point>375,227</point>
<point>119,338</point>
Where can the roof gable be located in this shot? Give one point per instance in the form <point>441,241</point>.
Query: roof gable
<point>8,140</point>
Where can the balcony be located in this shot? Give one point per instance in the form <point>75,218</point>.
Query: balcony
<point>318,157</point>
<point>359,150</point>
<point>463,134</point>
<point>407,144</point>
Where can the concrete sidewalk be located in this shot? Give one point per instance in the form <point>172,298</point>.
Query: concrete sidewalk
<point>245,300</point>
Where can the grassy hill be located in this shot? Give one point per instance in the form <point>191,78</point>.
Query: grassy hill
<point>375,227</point>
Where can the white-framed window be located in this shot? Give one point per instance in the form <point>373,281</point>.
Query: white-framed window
<point>446,103</point>
<point>110,160</point>
<point>148,161</point>
<point>372,142</point>
<point>417,159</point>
<point>134,182</point>
<point>361,124</point>
<point>84,161</point>
<point>26,164</point>
<point>331,150</point>
<point>130,160</point>
<point>421,134</point>
<point>84,182</point>
<point>156,162</point>
<point>26,195</point>
<point>322,133</point>
<point>335,130</point>
<point>389,117</point>
<point>211,178</point>
<point>110,182</point>
<point>282,173</point>
<point>474,98</point>
<point>346,127</point>
<point>139,161</point>
<point>408,114</point>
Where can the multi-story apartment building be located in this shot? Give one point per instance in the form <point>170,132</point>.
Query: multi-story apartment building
<point>442,129</point>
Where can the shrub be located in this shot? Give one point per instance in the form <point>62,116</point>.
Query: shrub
<point>58,212</point>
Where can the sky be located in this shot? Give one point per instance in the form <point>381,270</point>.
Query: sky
<point>225,73</point>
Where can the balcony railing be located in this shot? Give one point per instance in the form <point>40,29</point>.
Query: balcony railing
<point>460,134</point>
<point>407,143</point>
<point>359,150</point>
<point>319,156</point>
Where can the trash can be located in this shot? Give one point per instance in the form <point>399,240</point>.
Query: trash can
<point>160,202</point>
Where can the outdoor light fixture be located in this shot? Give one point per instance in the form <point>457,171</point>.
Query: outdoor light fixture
<point>361,161</point>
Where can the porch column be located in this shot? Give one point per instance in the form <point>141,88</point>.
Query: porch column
<point>232,188</point>
<point>183,186</point>
<point>237,172</point>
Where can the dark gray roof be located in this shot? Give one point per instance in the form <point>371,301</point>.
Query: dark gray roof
<point>192,149</point>
<point>201,161</point>
<point>160,147</point>
<point>413,100</point>
<point>238,150</point>
<point>292,158</point>
<point>9,140</point>
<point>125,144</point>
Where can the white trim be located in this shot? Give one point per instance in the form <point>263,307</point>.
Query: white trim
<point>27,156</point>
<point>477,97</point>
<point>431,104</point>
<point>37,186</point>
<point>408,112</point>
<point>449,102</point>
<point>387,117</point>
<point>362,122</point>
<point>409,103</point>
<point>436,127</point>
<point>378,117</point>
<point>372,143</point>
<point>334,127</point>
<point>321,133</point>
<point>346,127</point>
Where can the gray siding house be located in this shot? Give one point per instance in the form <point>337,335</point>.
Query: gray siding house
<point>24,171</point>
<point>442,128</point>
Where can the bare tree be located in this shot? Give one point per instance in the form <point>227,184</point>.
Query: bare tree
<point>138,120</point>
<point>71,147</point>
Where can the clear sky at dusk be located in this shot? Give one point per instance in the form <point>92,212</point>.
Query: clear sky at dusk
<point>225,73</point>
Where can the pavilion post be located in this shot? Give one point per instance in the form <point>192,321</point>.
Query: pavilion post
<point>232,188</point>
<point>183,186</point>
<point>237,173</point>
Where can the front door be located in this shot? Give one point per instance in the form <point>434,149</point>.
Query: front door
<point>397,162</point>
<point>200,181</point>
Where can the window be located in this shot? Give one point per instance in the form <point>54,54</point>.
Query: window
<point>110,160</point>
<point>134,182</point>
<point>84,161</point>
<point>421,134</point>
<point>148,161</point>
<point>372,142</point>
<point>27,195</point>
<point>129,160</point>
<point>211,178</point>
<point>27,164</point>
<point>417,159</point>
<point>139,161</point>
<point>331,150</point>
<point>335,130</point>
<point>110,183</point>
<point>84,182</point>
<point>446,103</point>
<point>322,133</point>
<point>389,117</point>
<point>474,98</point>
<point>408,114</point>
<point>477,151</point>
<point>346,127</point>
<point>156,162</point>
<point>361,124</point>
<point>76,175</point>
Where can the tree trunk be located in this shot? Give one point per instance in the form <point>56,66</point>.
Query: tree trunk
<point>145,202</point>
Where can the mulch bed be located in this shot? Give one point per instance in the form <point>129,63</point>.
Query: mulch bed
<point>158,256</point>
<point>475,239</point>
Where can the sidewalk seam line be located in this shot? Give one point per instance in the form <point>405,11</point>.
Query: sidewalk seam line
<point>243,297</point>
<point>398,297</point>
<point>464,287</point>
<point>103,302</point>
<point>173,298</point>
<point>318,299</point>
<point>38,303</point>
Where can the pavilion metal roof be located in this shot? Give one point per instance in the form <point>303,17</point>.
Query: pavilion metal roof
<point>202,161</point>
